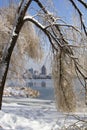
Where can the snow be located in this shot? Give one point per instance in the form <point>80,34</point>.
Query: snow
<point>14,33</point>
<point>20,92</point>
<point>34,114</point>
<point>30,18</point>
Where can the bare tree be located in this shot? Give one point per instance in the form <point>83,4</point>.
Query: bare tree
<point>63,51</point>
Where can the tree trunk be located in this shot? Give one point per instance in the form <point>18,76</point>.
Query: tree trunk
<point>4,64</point>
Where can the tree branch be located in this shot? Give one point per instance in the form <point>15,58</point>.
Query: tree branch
<point>34,21</point>
<point>31,19</point>
<point>83,3</point>
<point>20,5</point>
<point>66,25</point>
<point>41,6</point>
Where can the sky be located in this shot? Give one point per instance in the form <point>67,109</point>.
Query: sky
<point>64,10</point>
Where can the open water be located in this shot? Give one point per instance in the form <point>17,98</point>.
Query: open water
<point>44,86</point>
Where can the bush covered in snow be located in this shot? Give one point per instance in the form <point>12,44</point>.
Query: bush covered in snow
<point>21,92</point>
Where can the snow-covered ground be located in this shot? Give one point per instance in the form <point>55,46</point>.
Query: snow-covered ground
<point>34,114</point>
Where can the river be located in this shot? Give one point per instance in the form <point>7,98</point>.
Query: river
<point>46,87</point>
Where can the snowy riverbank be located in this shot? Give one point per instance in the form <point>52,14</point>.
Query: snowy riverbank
<point>33,114</point>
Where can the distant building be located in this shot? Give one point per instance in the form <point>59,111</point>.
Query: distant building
<point>36,72</point>
<point>31,71</point>
<point>43,70</point>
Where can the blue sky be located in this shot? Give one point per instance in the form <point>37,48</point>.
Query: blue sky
<point>3,3</point>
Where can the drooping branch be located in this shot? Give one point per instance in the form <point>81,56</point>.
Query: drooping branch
<point>58,36</point>
<point>43,28</point>
<point>57,41</point>
<point>80,15</point>
<point>31,19</point>
<point>52,20</point>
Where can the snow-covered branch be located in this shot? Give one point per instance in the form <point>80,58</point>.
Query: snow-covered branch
<point>43,28</point>
<point>31,19</point>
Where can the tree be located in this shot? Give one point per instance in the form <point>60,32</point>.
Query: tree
<point>64,54</point>
<point>4,63</point>
<point>30,45</point>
